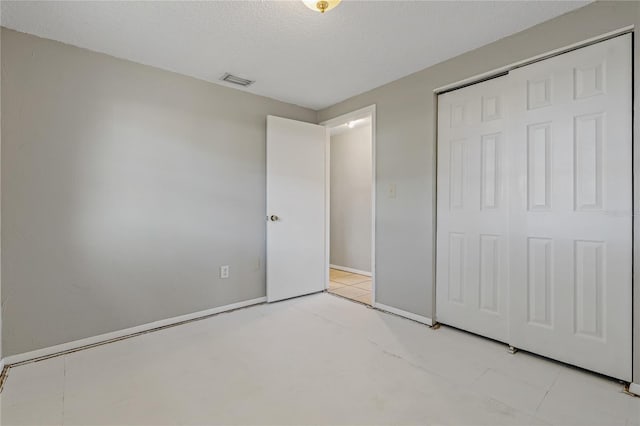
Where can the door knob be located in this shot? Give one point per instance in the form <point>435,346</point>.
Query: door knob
<point>274,218</point>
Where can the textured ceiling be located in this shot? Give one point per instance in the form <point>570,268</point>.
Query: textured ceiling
<point>294,54</point>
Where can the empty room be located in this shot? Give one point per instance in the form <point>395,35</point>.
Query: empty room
<point>319,212</point>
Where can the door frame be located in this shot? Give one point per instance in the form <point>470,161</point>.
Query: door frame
<point>634,386</point>
<point>369,111</point>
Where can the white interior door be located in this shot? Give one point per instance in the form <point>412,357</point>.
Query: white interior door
<point>571,215</point>
<point>472,210</point>
<point>296,208</point>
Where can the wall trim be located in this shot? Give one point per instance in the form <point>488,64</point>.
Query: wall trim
<point>634,388</point>
<point>400,312</point>
<point>101,339</point>
<point>352,270</point>
<point>555,52</point>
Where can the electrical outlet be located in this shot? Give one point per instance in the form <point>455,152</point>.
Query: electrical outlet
<point>224,271</point>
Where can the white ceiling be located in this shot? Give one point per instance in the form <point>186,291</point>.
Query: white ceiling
<point>294,54</point>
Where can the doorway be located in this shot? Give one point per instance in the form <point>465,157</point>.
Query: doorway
<point>351,194</point>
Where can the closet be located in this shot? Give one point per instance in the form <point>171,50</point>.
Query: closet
<point>534,208</point>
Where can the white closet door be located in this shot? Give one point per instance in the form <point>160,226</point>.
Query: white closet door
<point>471,281</point>
<point>571,207</point>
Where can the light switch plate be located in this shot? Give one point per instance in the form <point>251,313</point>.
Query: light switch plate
<point>224,271</point>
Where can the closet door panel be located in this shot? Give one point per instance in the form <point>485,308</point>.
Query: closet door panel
<point>472,240</point>
<point>571,207</point>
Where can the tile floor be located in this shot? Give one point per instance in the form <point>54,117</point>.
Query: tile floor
<point>312,360</point>
<point>352,286</point>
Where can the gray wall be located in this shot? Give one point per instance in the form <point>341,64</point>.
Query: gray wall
<point>405,150</point>
<point>124,188</point>
<point>351,198</point>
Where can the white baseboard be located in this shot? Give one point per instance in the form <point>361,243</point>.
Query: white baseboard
<point>400,312</point>
<point>353,271</point>
<point>115,335</point>
<point>634,388</point>
<point>1,365</point>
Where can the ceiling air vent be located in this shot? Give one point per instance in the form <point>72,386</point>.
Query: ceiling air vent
<point>230,78</point>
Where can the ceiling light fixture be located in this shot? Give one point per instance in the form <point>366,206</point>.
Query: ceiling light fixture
<point>351,124</point>
<point>322,5</point>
